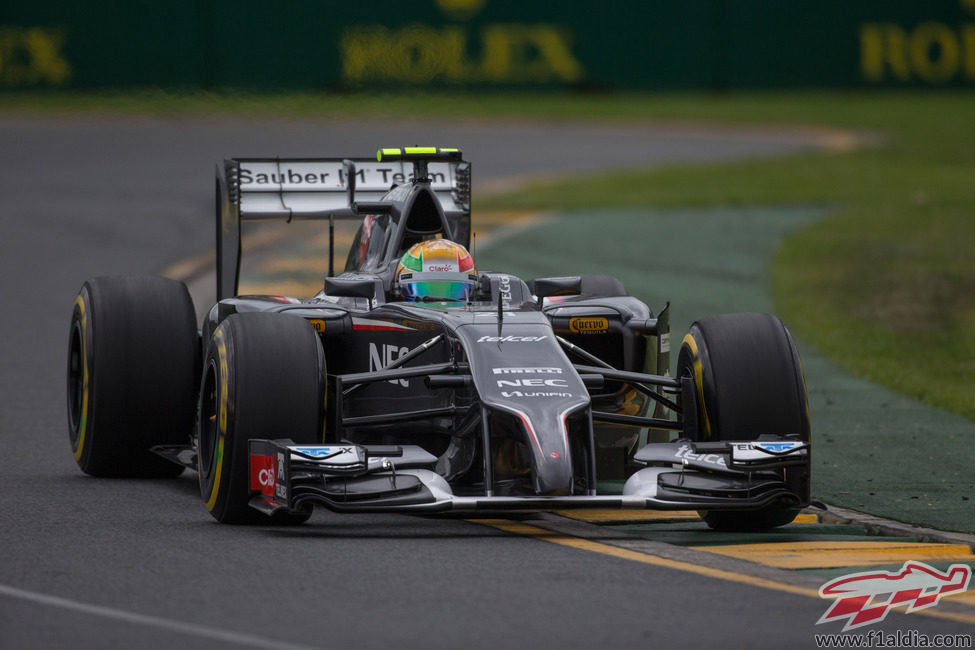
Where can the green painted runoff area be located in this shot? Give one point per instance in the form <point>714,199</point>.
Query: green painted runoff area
<point>873,450</point>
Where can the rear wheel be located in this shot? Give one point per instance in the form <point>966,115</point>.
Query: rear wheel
<point>132,360</point>
<point>263,377</point>
<point>742,378</point>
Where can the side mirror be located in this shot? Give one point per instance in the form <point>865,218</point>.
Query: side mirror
<point>564,286</point>
<point>351,288</point>
<point>372,207</point>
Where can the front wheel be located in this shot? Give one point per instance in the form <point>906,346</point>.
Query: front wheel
<point>132,360</point>
<point>263,377</point>
<point>742,378</point>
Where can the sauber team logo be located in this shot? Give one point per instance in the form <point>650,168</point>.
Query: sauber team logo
<point>865,598</point>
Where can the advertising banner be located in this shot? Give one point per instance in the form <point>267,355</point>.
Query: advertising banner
<point>483,44</point>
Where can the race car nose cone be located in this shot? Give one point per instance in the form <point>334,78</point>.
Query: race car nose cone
<point>552,475</point>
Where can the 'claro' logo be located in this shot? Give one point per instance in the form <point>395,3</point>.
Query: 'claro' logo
<point>582,325</point>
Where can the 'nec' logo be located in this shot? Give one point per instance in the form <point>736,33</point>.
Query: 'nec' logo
<point>535,382</point>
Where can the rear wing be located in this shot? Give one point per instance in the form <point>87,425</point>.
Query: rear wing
<point>278,189</point>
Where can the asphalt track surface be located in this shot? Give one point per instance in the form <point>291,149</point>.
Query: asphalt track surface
<point>90,563</point>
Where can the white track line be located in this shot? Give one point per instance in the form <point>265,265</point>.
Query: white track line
<point>152,621</point>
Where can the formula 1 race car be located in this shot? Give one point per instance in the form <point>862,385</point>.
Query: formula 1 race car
<point>413,383</point>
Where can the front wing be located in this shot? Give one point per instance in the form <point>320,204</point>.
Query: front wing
<point>680,475</point>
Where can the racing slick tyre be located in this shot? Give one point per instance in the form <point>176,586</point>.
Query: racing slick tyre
<point>744,379</point>
<point>132,360</point>
<point>263,377</point>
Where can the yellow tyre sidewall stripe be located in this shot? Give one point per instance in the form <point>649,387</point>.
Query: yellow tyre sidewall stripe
<point>222,416</point>
<point>705,419</point>
<point>79,448</point>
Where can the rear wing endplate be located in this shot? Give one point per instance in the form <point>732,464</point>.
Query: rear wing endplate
<point>278,189</point>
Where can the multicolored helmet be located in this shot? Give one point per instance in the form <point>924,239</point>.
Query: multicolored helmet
<point>436,269</point>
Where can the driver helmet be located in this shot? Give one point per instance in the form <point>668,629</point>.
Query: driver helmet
<point>436,269</point>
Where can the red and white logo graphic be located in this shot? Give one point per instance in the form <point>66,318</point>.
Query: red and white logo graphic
<point>865,598</point>
<point>262,474</point>
<point>440,266</point>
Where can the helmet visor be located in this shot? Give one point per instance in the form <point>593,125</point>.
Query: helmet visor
<point>434,286</point>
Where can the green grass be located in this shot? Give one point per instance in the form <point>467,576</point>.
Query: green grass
<point>885,287</point>
<point>812,108</point>
<point>322,105</point>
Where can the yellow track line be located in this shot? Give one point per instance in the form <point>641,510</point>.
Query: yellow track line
<point>833,554</point>
<point>721,574</point>
<point>603,516</point>
<point>636,516</point>
<point>636,556</point>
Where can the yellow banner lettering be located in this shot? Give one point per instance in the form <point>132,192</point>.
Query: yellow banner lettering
<point>968,43</point>
<point>496,63</point>
<point>883,46</point>
<point>931,52</point>
<point>554,45</point>
<point>419,54</point>
<point>32,56</point>
<point>934,52</point>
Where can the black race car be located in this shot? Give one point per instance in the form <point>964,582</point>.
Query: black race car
<point>551,394</point>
